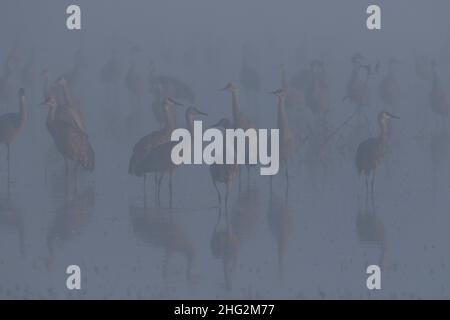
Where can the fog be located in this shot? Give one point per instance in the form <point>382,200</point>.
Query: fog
<point>314,235</point>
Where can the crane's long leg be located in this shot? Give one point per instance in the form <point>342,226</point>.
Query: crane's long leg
<point>226,196</point>
<point>170,189</point>
<point>367,185</point>
<point>9,172</point>
<point>218,193</point>
<point>159,189</point>
<point>75,178</point>
<point>156,187</point>
<point>287,179</point>
<point>66,176</point>
<point>145,190</point>
<point>372,183</point>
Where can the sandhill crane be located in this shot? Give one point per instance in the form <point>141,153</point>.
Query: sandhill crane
<point>371,151</point>
<point>389,86</point>
<point>357,91</point>
<point>159,161</point>
<point>288,143</point>
<point>240,121</point>
<point>152,140</point>
<point>223,173</point>
<point>439,98</point>
<point>156,227</point>
<point>71,142</point>
<point>317,93</point>
<point>224,245</point>
<point>11,124</point>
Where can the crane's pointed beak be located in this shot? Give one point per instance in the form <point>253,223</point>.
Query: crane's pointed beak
<point>392,116</point>
<point>200,112</point>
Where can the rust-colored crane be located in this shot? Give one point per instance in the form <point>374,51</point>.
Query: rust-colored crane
<point>71,142</point>
<point>371,151</point>
<point>223,173</point>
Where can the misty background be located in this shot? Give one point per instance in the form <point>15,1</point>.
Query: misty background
<point>315,243</point>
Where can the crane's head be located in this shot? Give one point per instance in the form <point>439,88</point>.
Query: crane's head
<point>384,117</point>
<point>280,93</point>
<point>193,111</point>
<point>224,123</point>
<point>231,87</point>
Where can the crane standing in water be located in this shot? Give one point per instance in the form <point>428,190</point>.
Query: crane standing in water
<point>147,143</point>
<point>71,142</point>
<point>370,152</point>
<point>288,143</point>
<point>11,124</point>
<point>223,173</point>
<point>240,121</point>
<point>159,160</point>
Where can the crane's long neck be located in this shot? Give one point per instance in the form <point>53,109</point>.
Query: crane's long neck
<point>170,119</point>
<point>235,103</point>
<point>190,122</point>
<point>384,132</point>
<point>22,111</point>
<point>283,123</point>
<point>67,96</point>
<point>51,114</point>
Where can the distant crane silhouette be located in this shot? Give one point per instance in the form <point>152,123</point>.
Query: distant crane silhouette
<point>317,94</point>
<point>389,86</point>
<point>371,151</point>
<point>357,90</point>
<point>11,124</point>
